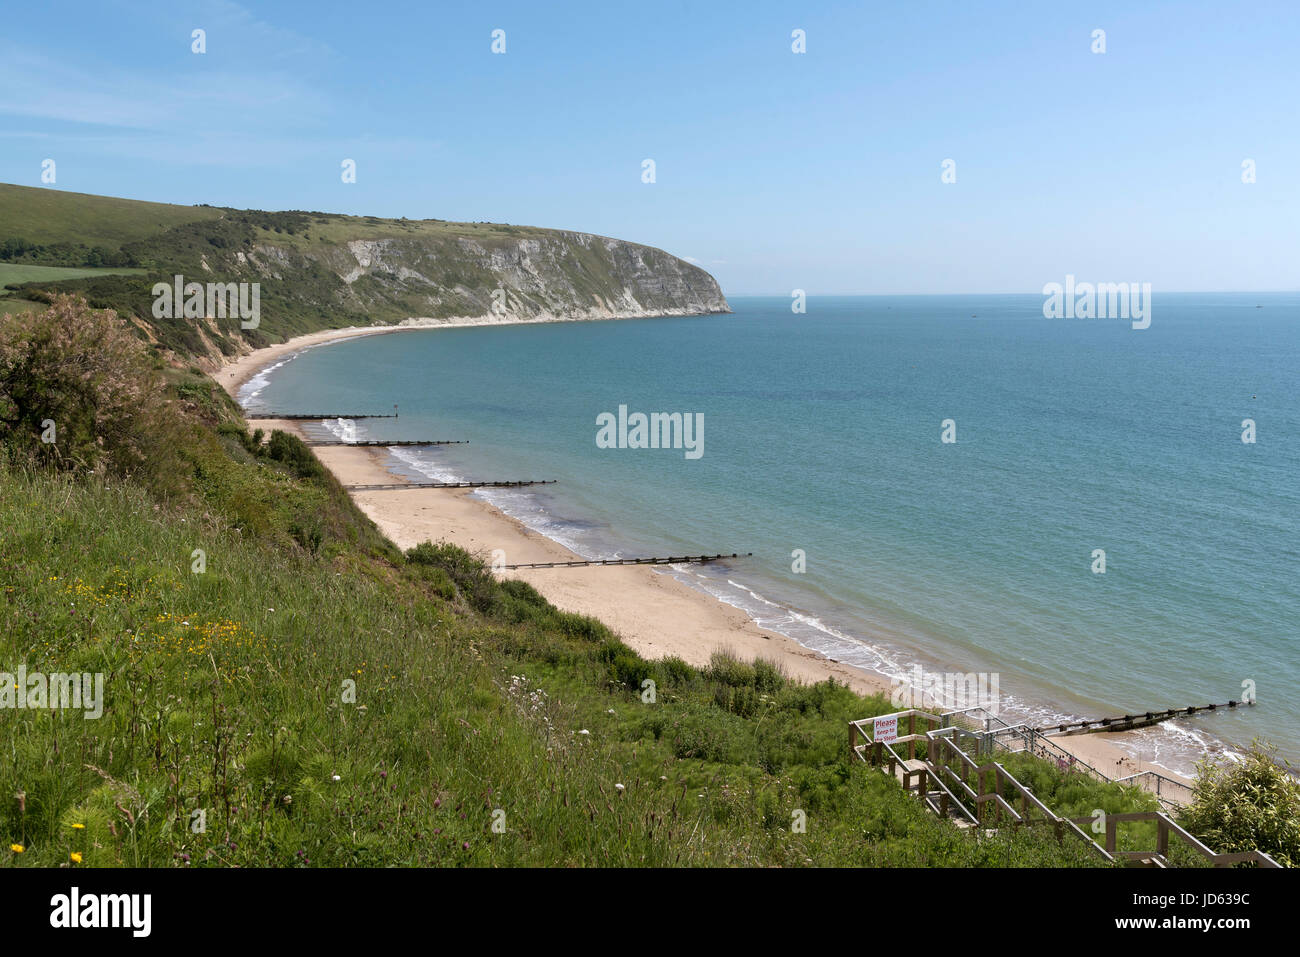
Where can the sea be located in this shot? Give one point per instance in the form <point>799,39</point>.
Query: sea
<point>1106,518</point>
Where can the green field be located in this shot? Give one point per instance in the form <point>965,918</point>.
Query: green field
<point>13,274</point>
<point>53,216</point>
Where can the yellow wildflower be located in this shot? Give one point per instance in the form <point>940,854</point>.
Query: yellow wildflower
<point>75,857</point>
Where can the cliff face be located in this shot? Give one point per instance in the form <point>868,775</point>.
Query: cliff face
<point>559,275</point>
<point>340,272</point>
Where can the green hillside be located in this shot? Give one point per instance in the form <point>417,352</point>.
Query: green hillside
<point>323,270</point>
<point>52,216</point>
<point>324,699</point>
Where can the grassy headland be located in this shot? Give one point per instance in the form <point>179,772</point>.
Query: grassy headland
<point>325,271</point>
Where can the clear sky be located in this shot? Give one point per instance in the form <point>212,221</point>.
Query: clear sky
<point>774,170</point>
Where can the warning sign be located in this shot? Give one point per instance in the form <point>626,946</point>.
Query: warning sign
<point>886,729</point>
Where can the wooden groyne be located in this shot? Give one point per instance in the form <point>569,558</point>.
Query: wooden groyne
<point>384,488</point>
<point>1131,721</point>
<point>388,442</point>
<point>683,560</point>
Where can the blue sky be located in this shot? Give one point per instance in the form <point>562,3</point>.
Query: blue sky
<point>774,171</point>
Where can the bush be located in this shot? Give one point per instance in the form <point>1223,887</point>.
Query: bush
<point>582,627</point>
<point>769,676</point>
<point>293,452</point>
<point>524,593</point>
<point>1250,806</point>
<point>470,575</point>
<point>626,667</point>
<point>727,669</point>
<point>677,673</point>
<point>84,371</point>
<point>705,734</point>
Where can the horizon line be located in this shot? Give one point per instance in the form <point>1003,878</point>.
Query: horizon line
<point>865,295</point>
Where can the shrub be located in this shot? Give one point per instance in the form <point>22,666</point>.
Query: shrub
<point>85,371</point>
<point>308,534</point>
<point>625,666</point>
<point>677,673</point>
<point>293,452</point>
<point>769,676</point>
<point>726,668</point>
<point>708,735</point>
<point>524,592</point>
<point>1250,806</point>
<point>582,627</point>
<point>470,575</point>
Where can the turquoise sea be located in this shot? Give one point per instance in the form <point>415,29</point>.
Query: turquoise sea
<point>822,433</point>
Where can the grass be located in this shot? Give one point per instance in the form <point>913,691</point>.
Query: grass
<point>16,306</point>
<point>1072,794</point>
<point>54,215</point>
<point>12,274</point>
<point>284,687</point>
<point>324,700</point>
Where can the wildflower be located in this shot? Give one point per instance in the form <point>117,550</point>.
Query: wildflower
<point>17,848</point>
<point>337,778</point>
<point>78,827</point>
<point>584,731</point>
<point>75,857</point>
<point>619,787</point>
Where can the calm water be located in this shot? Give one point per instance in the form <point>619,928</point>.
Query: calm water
<point>822,433</point>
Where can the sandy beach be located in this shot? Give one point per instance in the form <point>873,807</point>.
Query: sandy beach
<point>651,611</point>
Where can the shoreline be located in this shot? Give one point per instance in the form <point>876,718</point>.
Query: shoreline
<point>654,613</point>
